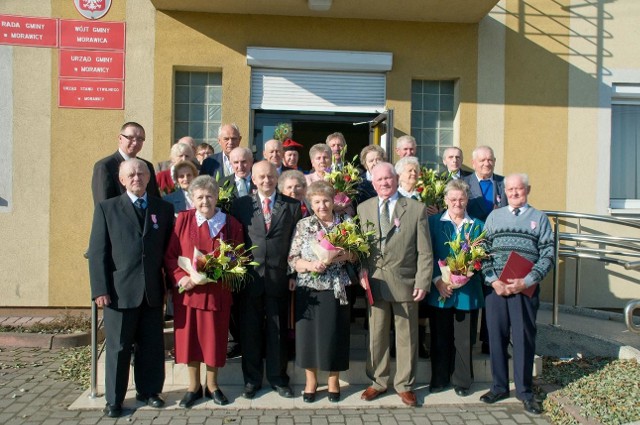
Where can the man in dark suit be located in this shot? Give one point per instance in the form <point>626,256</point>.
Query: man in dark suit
<point>399,276</point>
<point>452,159</point>
<point>105,183</point>
<point>487,194</point>
<point>269,219</point>
<point>241,161</point>
<point>129,236</point>
<point>274,153</point>
<point>229,138</point>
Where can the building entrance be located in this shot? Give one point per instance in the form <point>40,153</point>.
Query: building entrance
<point>310,128</point>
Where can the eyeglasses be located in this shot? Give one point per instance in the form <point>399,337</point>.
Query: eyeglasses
<point>133,138</point>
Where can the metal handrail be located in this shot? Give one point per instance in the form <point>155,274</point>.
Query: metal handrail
<point>626,247</point>
<point>628,316</point>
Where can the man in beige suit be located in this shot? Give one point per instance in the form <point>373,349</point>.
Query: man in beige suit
<point>399,275</point>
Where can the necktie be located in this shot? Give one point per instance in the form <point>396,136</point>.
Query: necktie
<point>516,211</point>
<point>141,203</point>
<point>385,222</point>
<point>242,187</point>
<point>266,211</point>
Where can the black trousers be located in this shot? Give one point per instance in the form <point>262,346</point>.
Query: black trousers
<point>141,327</point>
<point>263,330</point>
<point>513,316</point>
<point>452,335</point>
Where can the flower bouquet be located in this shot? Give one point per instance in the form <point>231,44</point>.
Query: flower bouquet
<point>345,180</point>
<point>225,194</point>
<point>464,260</point>
<point>226,264</point>
<point>347,236</point>
<point>431,185</point>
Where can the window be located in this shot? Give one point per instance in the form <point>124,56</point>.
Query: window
<point>197,106</point>
<point>625,147</point>
<point>432,114</point>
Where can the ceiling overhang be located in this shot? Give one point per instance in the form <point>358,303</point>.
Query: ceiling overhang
<point>456,11</point>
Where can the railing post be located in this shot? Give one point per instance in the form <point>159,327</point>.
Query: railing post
<point>556,274</point>
<point>576,293</point>
<point>628,316</point>
<point>94,350</point>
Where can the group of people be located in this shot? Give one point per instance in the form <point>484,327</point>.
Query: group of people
<point>137,239</point>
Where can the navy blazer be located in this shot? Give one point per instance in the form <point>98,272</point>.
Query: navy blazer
<point>213,165</point>
<point>125,259</point>
<point>476,206</point>
<point>105,183</point>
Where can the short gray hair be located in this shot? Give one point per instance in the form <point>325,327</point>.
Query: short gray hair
<point>232,125</point>
<point>319,147</point>
<point>367,150</point>
<point>457,184</point>
<point>180,148</point>
<point>407,138</point>
<point>291,174</point>
<point>130,163</point>
<point>336,135</point>
<point>204,183</point>
<point>407,160</point>
<point>522,176</point>
<point>320,188</point>
<point>386,165</point>
<point>474,154</point>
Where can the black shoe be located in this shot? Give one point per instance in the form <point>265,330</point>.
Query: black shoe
<point>113,410</point>
<point>433,389</point>
<point>234,352</point>
<point>485,348</point>
<point>217,396</point>
<point>334,397</point>
<point>491,398</point>
<point>308,397</point>
<point>283,390</point>
<point>250,390</point>
<point>461,391</point>
<point>152,400</point>
<point>190,398</point>
<point>532,406</point>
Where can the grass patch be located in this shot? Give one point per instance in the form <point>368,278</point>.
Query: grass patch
<point>603,389</point>
<point>66,323</point>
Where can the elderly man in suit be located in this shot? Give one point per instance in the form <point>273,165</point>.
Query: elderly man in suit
<point>511,313</point>
<point>399,275</point>
<point>229,138</point>
<point>129,236</point>
<point>269,219</point>
<point>241,162</point>
<point>274,153</point>
<point>452,159</point>
<point>106,183</point>
<point>406,146</point>
<point>487,193</point>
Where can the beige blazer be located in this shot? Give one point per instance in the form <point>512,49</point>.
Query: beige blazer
<point>407,260</point>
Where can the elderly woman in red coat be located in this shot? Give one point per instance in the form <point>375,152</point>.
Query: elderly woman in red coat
<point>201,312</point>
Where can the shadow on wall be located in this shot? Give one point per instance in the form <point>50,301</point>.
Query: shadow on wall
<point>3,202</point>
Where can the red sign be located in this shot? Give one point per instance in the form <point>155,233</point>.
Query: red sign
<point>91,94</point>
<point>92,35</point>
<point>28,31</point>
<point>91,64</point>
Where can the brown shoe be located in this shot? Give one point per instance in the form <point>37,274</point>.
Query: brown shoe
<point>408,398</point>
<point>371,393</point>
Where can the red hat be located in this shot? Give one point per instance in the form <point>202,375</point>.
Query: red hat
<point>291,145</point>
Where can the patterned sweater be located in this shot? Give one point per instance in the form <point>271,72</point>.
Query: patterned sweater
<point>529,235</point>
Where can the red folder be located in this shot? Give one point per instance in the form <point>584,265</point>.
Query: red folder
<point>364,277</point>
<point>518,267</point>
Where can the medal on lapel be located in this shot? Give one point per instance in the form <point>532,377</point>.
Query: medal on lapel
<point>154,219</point>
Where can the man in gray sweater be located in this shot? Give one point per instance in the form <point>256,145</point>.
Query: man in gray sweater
<point>518,228</point>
